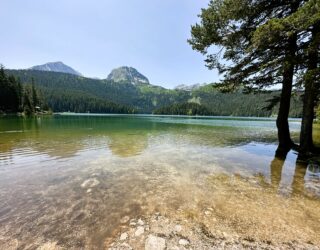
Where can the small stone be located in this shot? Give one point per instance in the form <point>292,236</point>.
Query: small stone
<point>225,234</point>
<point>207,212</point>
<point>155,243</point>
<point>46,246</point>
<point>175,248</point>
<point>89,190</point>
<point>183,242</point>
<point>124,246</point>
<point>140,222</point>
<point>90,183</point>
<point>133,224</point>
<point>123,236</point>
<point>177,228</point>
<point>139,231</point>
<point>124,219</point>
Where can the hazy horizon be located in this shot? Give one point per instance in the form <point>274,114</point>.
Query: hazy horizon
<point>95,37</point>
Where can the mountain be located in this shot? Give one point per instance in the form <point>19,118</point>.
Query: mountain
<point>56,67</point>
<point>127,74</point>
<point>67,92</point>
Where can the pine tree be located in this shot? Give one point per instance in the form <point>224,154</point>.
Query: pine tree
<point>305,22</point>
<point>20,94</point>
<point>35,99</point>
<point>230,25</point>
<point>28,107</point>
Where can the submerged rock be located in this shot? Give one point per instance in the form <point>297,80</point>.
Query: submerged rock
<point>124,219</point>
<point>178,228</point>
<point>155,243</point>
<point>140,222</point>
<point>122,246</point>
<point>183,242</point>
<point>163,234</point>
<point>139,231</point>
<point>207,212</point>
<point>90,183</point>
<point>123,236</point>
<point>133,224</point>
<point>49,246</point>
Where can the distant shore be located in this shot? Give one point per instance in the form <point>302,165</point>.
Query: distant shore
<point>39,113</point>
<point>182,116</point>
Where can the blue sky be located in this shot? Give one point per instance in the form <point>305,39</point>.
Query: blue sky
<point>96,36</point>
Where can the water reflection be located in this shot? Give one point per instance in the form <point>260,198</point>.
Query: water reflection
<point>276,170</point>
<point>63,137</point>
<point>70,180</point>
<point>298,182</point>
<point>314,169</point>
<point>305,175</point>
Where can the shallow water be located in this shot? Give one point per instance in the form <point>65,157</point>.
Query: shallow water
<point>71,179</point>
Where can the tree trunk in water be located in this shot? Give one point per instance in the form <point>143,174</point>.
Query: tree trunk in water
<point>310,94</point>
<point>285,142</point>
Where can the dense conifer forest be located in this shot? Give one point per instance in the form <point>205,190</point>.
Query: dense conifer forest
<point>15,97</point>
<point>27,95</point>
<point>184,109</point>
<point>66,92</point>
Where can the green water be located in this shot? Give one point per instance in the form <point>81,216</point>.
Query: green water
<point>70,179</point>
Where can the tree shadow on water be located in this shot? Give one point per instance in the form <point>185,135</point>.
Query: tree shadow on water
<point>303,168</point>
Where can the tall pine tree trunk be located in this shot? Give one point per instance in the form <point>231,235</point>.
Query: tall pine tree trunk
<point>310,94</point>
<point>285,142</point>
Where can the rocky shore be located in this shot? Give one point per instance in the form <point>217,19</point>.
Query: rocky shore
<point>158,232</point>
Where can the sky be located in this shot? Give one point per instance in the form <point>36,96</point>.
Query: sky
<point>96,36</point>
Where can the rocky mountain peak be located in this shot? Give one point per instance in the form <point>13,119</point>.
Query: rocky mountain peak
<point>56,67</point>
<point>127,74</point>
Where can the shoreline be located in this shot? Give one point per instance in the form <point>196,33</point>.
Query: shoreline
<point>161,232</point>
<point>21,114</point>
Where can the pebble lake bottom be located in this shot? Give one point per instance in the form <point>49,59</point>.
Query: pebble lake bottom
<point>153,182</point>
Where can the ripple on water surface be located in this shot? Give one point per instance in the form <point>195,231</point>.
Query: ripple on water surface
<point>65,184</point>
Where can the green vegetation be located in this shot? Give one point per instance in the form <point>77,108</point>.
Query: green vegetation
<point>66,92</point>
<point>184,109</point>
<point>237,103</point>
<point>79,102</point>
<point>264,43</point>
<point>46,90</point>
<point>17,98</point>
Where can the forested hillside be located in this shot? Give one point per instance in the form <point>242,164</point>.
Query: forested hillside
<point>63,91</point>
<point>239,104</point>
<point>14,97</point>
<point>66,92</point>
<point>184,109</point>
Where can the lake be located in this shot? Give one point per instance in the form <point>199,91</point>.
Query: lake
<point>72,180</point>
